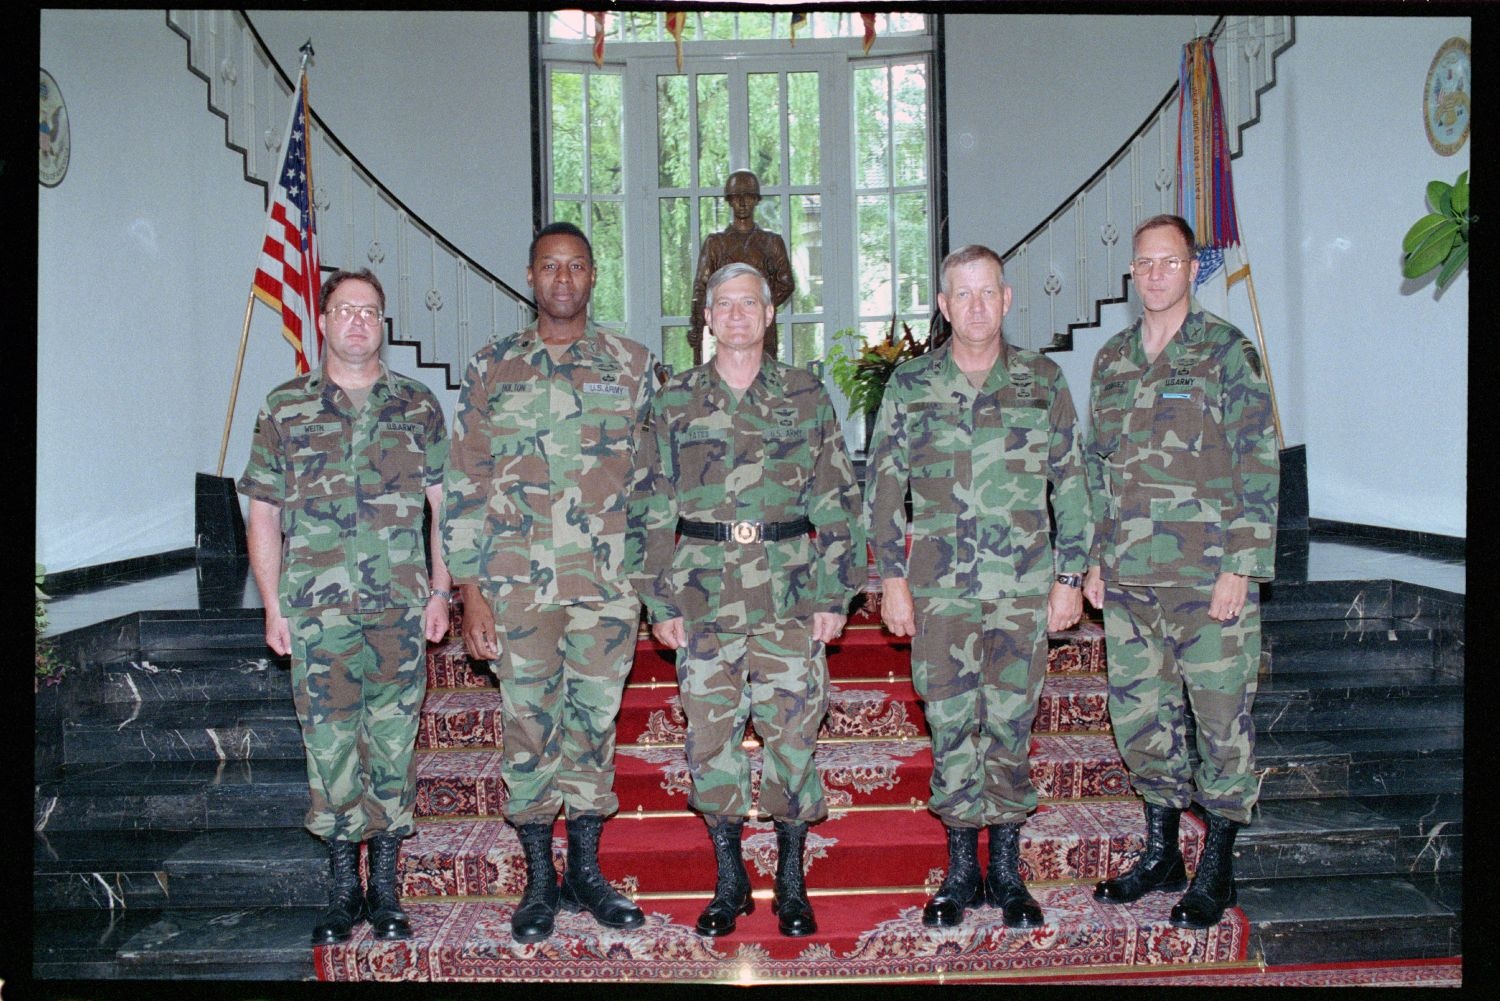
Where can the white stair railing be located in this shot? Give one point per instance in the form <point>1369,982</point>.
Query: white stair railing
<point>1075,261</point>
<point>438,299</point>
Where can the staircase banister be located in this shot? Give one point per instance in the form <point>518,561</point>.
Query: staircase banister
<point>386,192</point>
<point>1067,203</point>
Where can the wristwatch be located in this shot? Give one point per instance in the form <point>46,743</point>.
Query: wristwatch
<point>1070,579</point>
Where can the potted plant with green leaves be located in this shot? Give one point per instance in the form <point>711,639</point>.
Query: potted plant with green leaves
<point>1440,238</point>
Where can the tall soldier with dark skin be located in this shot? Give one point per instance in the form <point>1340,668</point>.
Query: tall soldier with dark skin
<point>343,460</point>
<point>543,460</point>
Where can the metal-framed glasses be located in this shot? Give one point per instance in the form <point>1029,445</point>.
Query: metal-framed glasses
<point>1168,265</point>
<point>345,312</point>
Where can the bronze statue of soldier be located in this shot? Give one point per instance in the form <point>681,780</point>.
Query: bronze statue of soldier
<point>745,242</point>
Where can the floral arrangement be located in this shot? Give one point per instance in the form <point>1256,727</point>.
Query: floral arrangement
<point>861,371</point>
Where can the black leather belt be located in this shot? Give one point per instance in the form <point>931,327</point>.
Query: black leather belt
<point>744,531</point>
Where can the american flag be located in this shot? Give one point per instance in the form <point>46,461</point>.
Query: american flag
<point>288,276</point>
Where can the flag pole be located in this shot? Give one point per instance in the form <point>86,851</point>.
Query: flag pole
<point>1265,357</point>
<point>239,362</point>
<point>234,387</point>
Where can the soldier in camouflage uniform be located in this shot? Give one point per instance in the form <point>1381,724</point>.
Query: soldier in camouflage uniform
<point>1183,471</point>
<point>978,430</point>
<point>544,451</point>
<point>342,461</point>
<point>747,460</point>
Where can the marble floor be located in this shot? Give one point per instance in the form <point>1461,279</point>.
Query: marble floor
<point>221,584</point>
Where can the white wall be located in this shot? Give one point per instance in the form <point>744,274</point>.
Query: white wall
<point>437,105</point>
<point>146,250</point>
<point>1037,102</point>
<point>1371,370</point>
<point>145,254</point>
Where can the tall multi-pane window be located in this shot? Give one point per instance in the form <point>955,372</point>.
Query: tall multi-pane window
<point>838,140</point>
<point>586,173</point>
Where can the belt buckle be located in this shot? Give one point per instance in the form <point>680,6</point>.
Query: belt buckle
<point>745,532</point>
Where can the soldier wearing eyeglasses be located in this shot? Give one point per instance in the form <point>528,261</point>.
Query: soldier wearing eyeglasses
<point>751,550</point>
<point>1183,473</point>
<point>343,460</point>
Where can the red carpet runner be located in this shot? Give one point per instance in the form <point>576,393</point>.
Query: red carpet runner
<point>869,867</point>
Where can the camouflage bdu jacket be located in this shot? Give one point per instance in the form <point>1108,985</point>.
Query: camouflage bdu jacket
<point>351,488</point>
<point>543,457</point>
<point>978,463</point>
<point>775,456</point>
<point>1182,458</point>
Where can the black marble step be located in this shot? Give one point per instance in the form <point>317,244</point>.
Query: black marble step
<point>1357,700</point>
<point>1345,918</point>
<point>1382,648</point>
<point>280,867</point>
<point>83,944</point>
<point>1430,830</point>
<point>1320,837</point>
<point>1319,765</point>
<point>174,795</point>
<point>253,943</point>
<point>1326,599</point>
<point>230,731</point>
<point>211,677</point>
<point>82,869</point>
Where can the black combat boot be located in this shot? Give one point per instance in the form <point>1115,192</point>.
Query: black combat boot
<point>963,886</point>
<point>584,887</point>
<point>1160,865</point>
<point>1212,888</point>
<point>346,901</point>
<point>794,915</point>
<point>382,899</point>
<point>1002,885</point>
<point>532,920</point>
<point>732,890</point>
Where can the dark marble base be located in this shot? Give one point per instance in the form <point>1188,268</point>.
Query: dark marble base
<point>82,944</point>
<point>1345,918</point>
<point>249,868</point>
<point>74,869</point>
<point>1302,838</point>
<point>219,527</point>
<point>260,943</point>
<point>229,731</point>
<point>174,795</point>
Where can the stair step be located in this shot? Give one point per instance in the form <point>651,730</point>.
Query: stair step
<point>1320,919</point>
<point>83,944</point>
<point>1351,650</point>
<point>1063,766</point>
<point>255,943</point>
<point>174,795</point>
<point>858,934</point>
<point>102,869</point>
<point>230,676</point>
<point>1284,600</point>
<point>229,731</point>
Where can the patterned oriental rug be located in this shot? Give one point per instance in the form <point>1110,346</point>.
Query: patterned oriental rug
<point>870,866</point>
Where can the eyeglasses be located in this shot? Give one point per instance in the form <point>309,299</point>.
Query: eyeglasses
<point>346,312</point>
<point>1169,265</point>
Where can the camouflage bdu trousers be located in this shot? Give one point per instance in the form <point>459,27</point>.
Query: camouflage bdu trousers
<point>562,671</point>
<point>357,681</point>
<point>779,680</point>
<point>978,667</point>
<point>1160,639</point>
